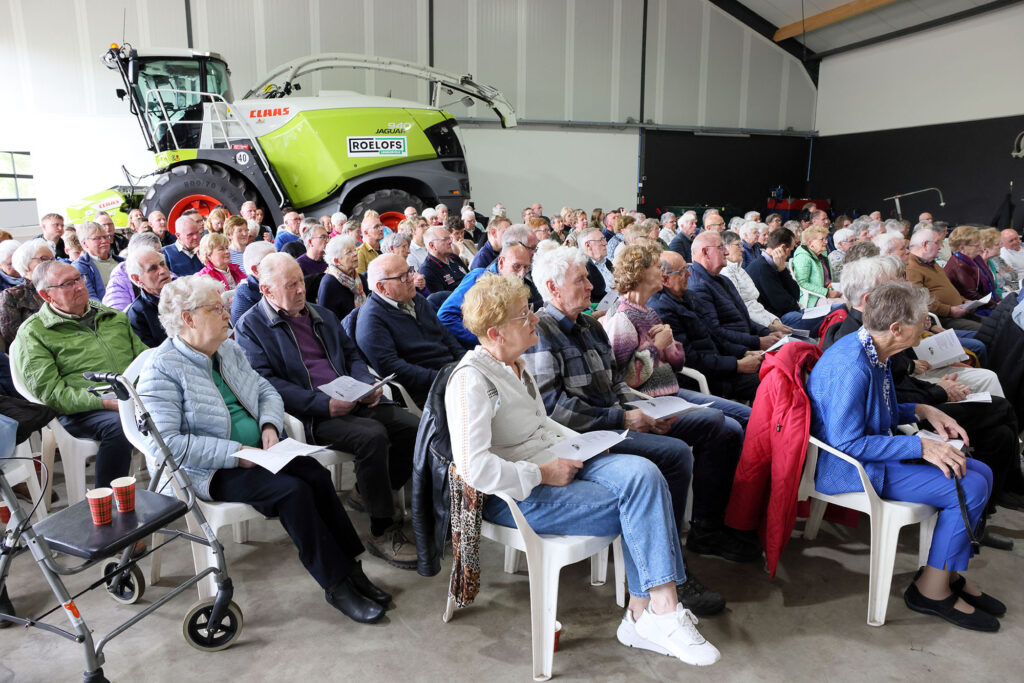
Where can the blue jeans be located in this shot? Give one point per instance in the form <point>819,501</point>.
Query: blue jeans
<point>951,549</point>
<point>672,457</point>
<point>796,319</point>
<point>736,411</point>
<point>611,495</point>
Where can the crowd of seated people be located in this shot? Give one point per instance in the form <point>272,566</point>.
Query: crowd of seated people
<point>251,324</point>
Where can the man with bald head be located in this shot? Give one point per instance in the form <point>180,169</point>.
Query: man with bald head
<point>1010,250</point>
<point>398,331</point>
<point>947,303</point>
<point>183,256</point>
<point>158,224</point>
<point>372,232</point>
<point>442,270</point>
<point>298,347</point>
<point>718,300</point>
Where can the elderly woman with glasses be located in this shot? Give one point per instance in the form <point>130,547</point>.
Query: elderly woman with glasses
<point>215,253</point>
<point>19,302</point>
<point>342,287</point>
<point>210,406</point>
<point>811,268</point>
<point>966,269</point>
<point>854,408</point>
<point>509,451</point>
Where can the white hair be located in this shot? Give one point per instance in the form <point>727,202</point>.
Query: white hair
<point>498,210</point>
<point>861,276</point>
<point>552,265</point>
<point>734,223</point>
<point>254,253</point>
<point>666,217</point>
<point>308,230</point>
<point>390,242</point>
<point>88,228</point>
<point>253,226</point>
<point>131,261</point>
<point>516,234</point>
<point>26,252</point>
<point>749,230</point>
<point>843,235</point>
<point>922,235</point>
<point>893,225</point>
<point>687,215</point>
<point>7,249</point>
<point>336,246</point>
<point>185,294</point>
<point>338,218</point>
<point>886,242</point>
<point>429,213</point>
<point>874,228</point>
<point>749,215</point>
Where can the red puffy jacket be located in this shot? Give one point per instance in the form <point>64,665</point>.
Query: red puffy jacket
<point>764,489</point>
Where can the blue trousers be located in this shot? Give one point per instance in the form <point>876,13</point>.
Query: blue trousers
<point>951,548</point>
<point>612,494</point>
<point>796,320</point>
<point>114,457</point>
<point>736,411</point>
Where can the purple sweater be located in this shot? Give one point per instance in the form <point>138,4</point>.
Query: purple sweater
<point>643,366</point>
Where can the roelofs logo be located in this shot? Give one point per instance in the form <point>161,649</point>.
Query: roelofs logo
<point>378,146</point>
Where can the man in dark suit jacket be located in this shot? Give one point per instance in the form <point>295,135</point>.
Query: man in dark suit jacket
<point>720,305</point>
<point>731,369</point>
<point>780,293</point>
<point>398,332</point>
<point>682,243</point>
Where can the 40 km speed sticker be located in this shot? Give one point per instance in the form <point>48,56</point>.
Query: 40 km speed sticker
<point>378,146</point>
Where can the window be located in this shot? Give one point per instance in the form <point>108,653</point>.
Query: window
<point>16,181</point>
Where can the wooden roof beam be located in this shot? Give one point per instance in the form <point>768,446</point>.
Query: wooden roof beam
<point>829,17</point>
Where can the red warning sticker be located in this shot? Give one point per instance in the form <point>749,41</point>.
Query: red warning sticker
<point>72,609</point>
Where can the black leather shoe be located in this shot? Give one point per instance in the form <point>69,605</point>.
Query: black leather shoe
<point>345,598</point>
<point>993,540</point>
<point>979,620</point>
<point>722,542</point>
<point>6,607</point>
<point>367,588</point>
<point>984,601</point>
<point>698,598</point>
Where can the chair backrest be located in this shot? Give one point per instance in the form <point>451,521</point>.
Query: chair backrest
<point>126,409</point>
<point>17,376</point>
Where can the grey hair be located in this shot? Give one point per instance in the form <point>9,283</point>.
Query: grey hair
<point>144,239</point>
<point>650,223</point>
<point>749,229</point>
<point>182,222</point>
<point>26,252</point>
<point>552,265</point>
<point>393,241</point>
<point>254,253</point>
<point>434,233</point>
<point>886,242</point>
<point>131,261</point>
<point>41,275</point>
<point>337,245</point>
<point>895,302</point>
<point>792,226</point>
<point>922,233</point>
<point>863,275</point>
<point>728,237</point>
<point>923,225</point>
<point>735,222</point>
<point>749,215</point>
<point>875,227</point>
<point>7,249</point>
<point>666,217</point>
<point>185,294</point>
<point>843,235</point>
<point>88,228</point>
<point>272,264</point>
<point>517,234</point>
<point>338,218</point>
<point>893,225</point>
<point>860,250</point>
<point>309,229</point>
<point>687,215</point>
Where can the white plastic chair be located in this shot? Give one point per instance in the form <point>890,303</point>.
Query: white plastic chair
<point>218,515</point>
<point>698,376</point>
<point>23,471</point>
<point>74,452</point>
<point>545,557</point>
<point>887,518</point>
<point>410,404</point>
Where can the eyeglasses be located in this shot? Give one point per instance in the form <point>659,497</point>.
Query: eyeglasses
<point>679,272</point>
<point>216,308</point>
<point>525,317</point>
<point>41,259</point>
<point>67,284</point>
<point>404,277</point>
<point>599,241</point>
<point>98,238</point>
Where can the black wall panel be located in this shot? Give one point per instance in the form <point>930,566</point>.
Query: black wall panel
<point>970,162</point>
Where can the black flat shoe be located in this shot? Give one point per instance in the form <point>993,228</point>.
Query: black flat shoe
<point>997,541</point>
<point>983,602</point>
<point>367,588</point>
<point>6,607</point>
<point>979,620</point>
<point>345,598</point>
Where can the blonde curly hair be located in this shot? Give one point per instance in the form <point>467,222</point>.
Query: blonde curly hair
<point>491,301</point>
<point>211,241</point>
<point>631,264</point>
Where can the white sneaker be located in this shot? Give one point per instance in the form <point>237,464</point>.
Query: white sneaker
<point>628,636</point>
<point>677,634</point>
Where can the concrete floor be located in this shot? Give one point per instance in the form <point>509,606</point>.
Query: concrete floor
<point>808,624</point>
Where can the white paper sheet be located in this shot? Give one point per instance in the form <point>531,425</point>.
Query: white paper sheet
<point>350,389</point>
<point>941,349</point>
<point>817,311</point>
<point>977,303</point>
<point>666,406</point>
<point>607,301</point>
<point>585,446</point>
<point>278,455</point>
<point>979,397</point>
<point>787,339</point>
<point>797,332</point>
<point>926,434</point>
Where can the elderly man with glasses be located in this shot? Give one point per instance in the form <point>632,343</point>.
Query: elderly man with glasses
<point>97,263</point>
<point>397,330</point>
<point>68,336</point>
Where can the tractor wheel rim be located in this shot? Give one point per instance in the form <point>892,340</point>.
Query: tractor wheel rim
<point>203,203</point>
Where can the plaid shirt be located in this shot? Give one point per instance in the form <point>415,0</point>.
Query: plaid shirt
<point>572,364</point>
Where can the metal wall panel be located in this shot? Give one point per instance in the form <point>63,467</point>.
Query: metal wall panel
<point>230,28</point>
<point>542,43</point>
<point>674,32</point>
<point>55,67</point>
<point>496,23</point>
<point>592,60</point>
<point>724,72</point>
<point>626,105</point>
<point>764,85</point>
<point>397,32</point>
<point>803,96</point>
<point>341,28</point>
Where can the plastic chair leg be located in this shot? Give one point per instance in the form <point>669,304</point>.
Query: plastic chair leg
<point>240,530</point>
<point>925,546</point>
<point>814,518</point>
<point>512,557</point>
<point>336,476</point>
<point>543,606</point>
<point>884,536</point>
<point>74,476</point>
<point>156,558</point>
<point>203,557</point>
<point>620,573</point>
<point>49,451</point>
<point>599,567</point>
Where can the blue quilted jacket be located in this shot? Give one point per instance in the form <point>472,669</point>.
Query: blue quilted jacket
<point>177,388</point>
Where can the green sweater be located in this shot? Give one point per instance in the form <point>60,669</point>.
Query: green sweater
<point>53,352</point>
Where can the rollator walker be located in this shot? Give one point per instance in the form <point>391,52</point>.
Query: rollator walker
<point>210,625</point>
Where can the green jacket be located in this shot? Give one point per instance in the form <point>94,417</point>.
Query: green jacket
<point>53,352</point>
<point>810,275</point>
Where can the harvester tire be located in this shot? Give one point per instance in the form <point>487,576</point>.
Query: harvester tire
<point>383,201</point>
<point>198,186</point>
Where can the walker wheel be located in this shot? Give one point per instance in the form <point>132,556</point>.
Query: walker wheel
<point>127,586</point>
<point>202,635</point>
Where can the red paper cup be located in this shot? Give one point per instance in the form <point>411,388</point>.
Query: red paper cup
<point>558,633</point>
<point>101,504</point>
<point>124,493</point>
<point>5,513</point>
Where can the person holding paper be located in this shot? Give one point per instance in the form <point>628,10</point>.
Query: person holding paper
<point>854,408</point>
<point>507,450</point>
<point>300,346</point>
<point>209,406</point>
<point>968,273</point>
<point>923,270</point>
